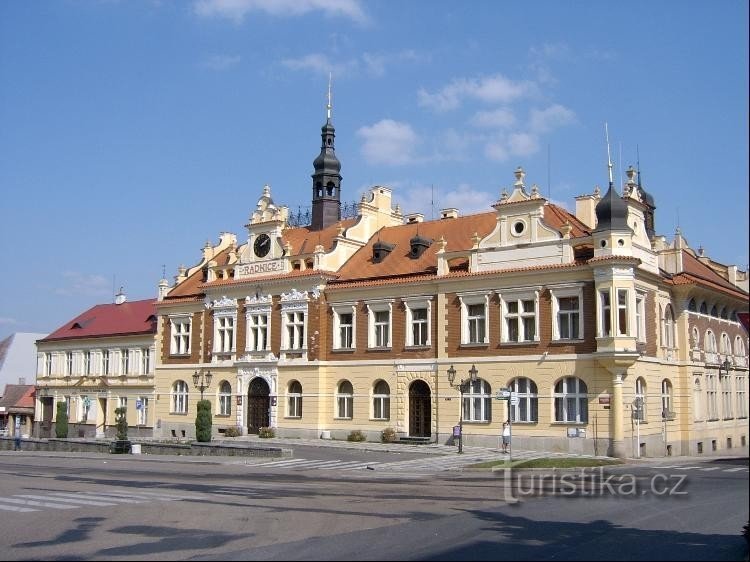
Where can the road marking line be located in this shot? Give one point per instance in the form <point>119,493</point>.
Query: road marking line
<point>736,469</point>
<point>40,503</point>
<point>97,497</point>
<point>64,500</point>
<point>16,508</point>
<point>710,468</point>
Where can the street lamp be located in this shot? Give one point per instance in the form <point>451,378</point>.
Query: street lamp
<point>461,388</point>
<point>202,380</point>
<point>726,364</point>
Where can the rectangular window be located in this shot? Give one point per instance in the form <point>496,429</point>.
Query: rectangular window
<point>476,323</point>
<point>568,317</point>
<point>419,326</point>
<point>346,330</point>
<point>143,410</point>
<point>711,406</point>
<point>741,383</point>
<point>382,328</point>
<point>86,362</point>
<point>295,405</point>
<point>258,332</point>
<point>520,320</point>
<point>640,316</point>
<point>381,407</point>
<point>68,363</point>
<point>726,395</point>
<point>145,360</point>
<point>48,364</point>
<point>105,362</point>
<point>123,402</point>
<point>295,328</point>
<point>180,344</point>
<point>124,362</point>
<point>606,318</point>
<point>622,312</point>
<point>224,334</point>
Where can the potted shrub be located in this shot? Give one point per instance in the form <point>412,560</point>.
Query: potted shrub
<point>121,443</point>
<point>203,422</point>
<point>388,435</point>
<point>356,435</point>
<point>266,432</point>
<point>61,423</point>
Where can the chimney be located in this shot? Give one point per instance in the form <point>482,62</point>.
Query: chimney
<point>414,217</point>
<point>451,213</point>
<point>586,208</point>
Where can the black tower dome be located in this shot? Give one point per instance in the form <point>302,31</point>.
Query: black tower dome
<point>326,201</point>
<point>611,211</point>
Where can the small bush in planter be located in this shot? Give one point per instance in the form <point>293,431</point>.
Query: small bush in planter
<point>388,435</point>
<point>121,422</point>
<point>203,421</point>
<point>232,432</point>
<point>266,432</point>
<point>61,421</point>
<point>356,435</point>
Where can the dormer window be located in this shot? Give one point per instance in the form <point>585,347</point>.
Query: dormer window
<point>380,250</point>
<point>418,246</point>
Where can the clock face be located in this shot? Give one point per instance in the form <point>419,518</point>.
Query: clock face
<point>262,245</point>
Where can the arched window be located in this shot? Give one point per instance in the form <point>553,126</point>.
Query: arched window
<point>704,308</point>
<point>294,400</point>
<point>739,348</point>
<point>714,311</point>
<point>697,403</point>
<point>179,397</point>
<point>668,335</point>
<point>571,400</point>
<point>696,338</point>
<point>381,401</point>
<point>724,314</point>
<point>225,398</point>
<point>345,400</point>
<point>478,401</point>
<point>692,307</point>
<point>666,399</point>
<point>710,342</point>
<point>527,409</point>
<point>640,399</point>
<point>726,345</point>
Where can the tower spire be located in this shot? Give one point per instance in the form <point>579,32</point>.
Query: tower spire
<point>330,105</point>
<point>326,201</point>
<point>609,158</point>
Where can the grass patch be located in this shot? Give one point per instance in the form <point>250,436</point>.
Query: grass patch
<point>549,462</point>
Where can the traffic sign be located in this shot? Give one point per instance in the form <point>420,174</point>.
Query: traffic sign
<point>138,404</point>
<point>503,394</point>
<point>514,399</point>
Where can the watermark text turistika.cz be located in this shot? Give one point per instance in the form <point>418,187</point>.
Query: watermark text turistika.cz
<point>587,482</point>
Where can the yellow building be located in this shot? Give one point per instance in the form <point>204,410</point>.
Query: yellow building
<point>606,337</point>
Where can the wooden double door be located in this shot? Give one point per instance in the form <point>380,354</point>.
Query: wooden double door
<point>420,409</point>
<point>258,405</point>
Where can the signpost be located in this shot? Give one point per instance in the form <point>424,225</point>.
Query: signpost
<point>505,393</point>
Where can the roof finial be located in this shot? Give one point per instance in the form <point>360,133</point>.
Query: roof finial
<point>609,158</point>
<point>329,106</point>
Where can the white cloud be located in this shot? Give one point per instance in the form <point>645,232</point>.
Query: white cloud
<point>489,89</point>
<point>389,142</point>
<point>374,64</point>
<point>425,199</point>
<point>495,119</point>
<point>544,120</point>
<point>318,63</point>
<point>496,150</point>
<point>522,144</point>
<point>467,199</point>
<point>76,283</point>
<point>236,10</point>
<point>221,62</point>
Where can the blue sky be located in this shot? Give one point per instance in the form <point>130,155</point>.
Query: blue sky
<point>133,131</point>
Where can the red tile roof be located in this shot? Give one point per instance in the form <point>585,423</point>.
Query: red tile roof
<point>695,272</point>
<point>126,319</point>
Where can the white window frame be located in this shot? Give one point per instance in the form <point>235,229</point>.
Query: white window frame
<point>294,317</point>
<point>180,334</point>
<point>667,396</point>
<point>726,397</point>
<point>69,363</point>
<point>142,417</point>
<point>467,299</point>
<point>741,390</point>
<point>294,400</point>
<point>623,311</point>
<point>560,402</point>
<point>87,362</point>
<point>381,401</point>
<point>712,411</point>
<point>668,327</point>
<point>418,303</point>
<point>48,364</point>
<point>124,361</point>
<point>640,316</point>
<point>122,402</point>
<point>697,397</point>
<point>519,296</point>
<point>344,402</point>
<point>225,326</point>
<point>477,405</point>
<point>225,398</point>
<point>605,313</point>
<point>375,327</point>
<point>258,322</point>
<point>179,397</point>
<point>145,360</point>
<point>106,362</point>
<point>529,397</point>
<point>340,309</point>
<point>566,291</point>
<point>641,392</point>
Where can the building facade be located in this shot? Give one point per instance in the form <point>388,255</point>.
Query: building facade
<point>101,360</point>
<point>612,339</point>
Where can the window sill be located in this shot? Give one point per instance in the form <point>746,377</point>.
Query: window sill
<point>342,419</point>
<point>561,341</point>
<point>222,415</point>
<point>379,349</point>
<point>179,355</point>
<point>417,347</point>
<point>477,422</point>
<point>518,343</point>
<point>712,419</point>
<point>568,423</point>
<point>178,413</point>
<point>292,417</point>
<point>470,345</point>
<point>525,422</point>
<point>380,419</point>
<point>343,350</point>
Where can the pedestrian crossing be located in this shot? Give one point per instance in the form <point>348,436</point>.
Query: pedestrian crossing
<point>23,503</point>
<point>701,468</point>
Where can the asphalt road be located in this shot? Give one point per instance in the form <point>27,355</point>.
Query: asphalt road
<point>101,507</point>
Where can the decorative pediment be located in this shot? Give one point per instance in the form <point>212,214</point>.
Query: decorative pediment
<point>258,299</point>
<point>223,303</point>
<point>294,295</point>
<point>266,210</point>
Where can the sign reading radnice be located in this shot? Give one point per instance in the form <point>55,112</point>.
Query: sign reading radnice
<point>260,268</point>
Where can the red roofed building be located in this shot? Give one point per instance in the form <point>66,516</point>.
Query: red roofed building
<point>609,339</point>
<point>98,361</point>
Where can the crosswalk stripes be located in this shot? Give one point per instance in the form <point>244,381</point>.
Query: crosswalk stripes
<point>299,464</point>
<point>74,500</point>
<point>701,468</point>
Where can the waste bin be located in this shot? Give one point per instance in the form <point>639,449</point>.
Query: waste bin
<point>135,448</point>
<point>456,431</point>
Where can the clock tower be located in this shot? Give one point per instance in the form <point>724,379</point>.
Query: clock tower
<point>326,201</point>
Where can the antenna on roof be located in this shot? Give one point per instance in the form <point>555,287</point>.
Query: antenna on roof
<point>329,106</point>
<point>114,295</point>
<point>638,164</point>
<point>432,201</point>
<point>609,158</point>
<point>619,165</point>
<point>163,271</point>
<point>549,166</point>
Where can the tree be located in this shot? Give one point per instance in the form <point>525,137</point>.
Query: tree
<point>61,423</point>
<point>122,423</point>
<point>203,421</point>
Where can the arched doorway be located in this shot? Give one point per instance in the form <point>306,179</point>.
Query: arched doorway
<point>420,409</point>
<point>258,405</point>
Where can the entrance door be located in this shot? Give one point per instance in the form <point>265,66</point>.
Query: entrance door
<point>45,427</point>
<point>258,404</point>
<point>420,409</point>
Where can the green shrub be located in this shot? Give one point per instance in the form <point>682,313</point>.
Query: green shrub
<point>203,421</point>
<point>388,435</point>
<point>356,435</point>
<point>61,421</point>
<point>121,420</point>
<point>266,432</point>
<point>232,432</point>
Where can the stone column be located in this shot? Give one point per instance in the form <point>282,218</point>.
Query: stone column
<point>616,412</point>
